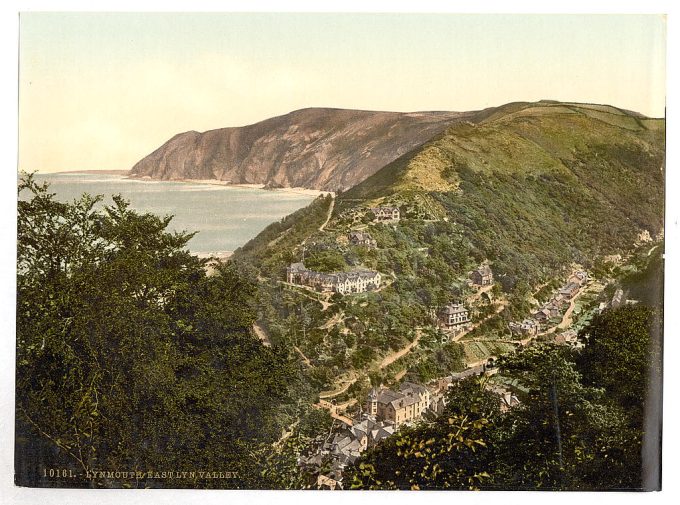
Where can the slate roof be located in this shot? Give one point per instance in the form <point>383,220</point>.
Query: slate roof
<point>453,308</point>
<point>397,400</point>
<point>484,270</point>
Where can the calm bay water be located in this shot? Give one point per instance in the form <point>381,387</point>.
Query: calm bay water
<point>225,217</point>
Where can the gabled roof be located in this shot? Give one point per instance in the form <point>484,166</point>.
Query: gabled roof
<point>453,308</point>
<point>413,387</point>
<point>359,235</point>
<point>484,270</point>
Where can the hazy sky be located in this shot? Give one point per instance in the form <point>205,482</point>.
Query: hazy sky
<point>100,91</point>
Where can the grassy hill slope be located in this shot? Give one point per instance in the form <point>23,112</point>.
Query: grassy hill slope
<point>531,188</point>
<point>548,182</point>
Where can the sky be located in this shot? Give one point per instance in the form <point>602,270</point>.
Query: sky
<point>103,90</point>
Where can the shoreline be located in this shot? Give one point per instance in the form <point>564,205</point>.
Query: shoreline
<point>220,255</point>
<point>213,182</point>
<point>216,182</point>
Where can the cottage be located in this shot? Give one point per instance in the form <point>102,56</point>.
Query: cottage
<point>568,337</point>
<point>526,328</point>
<point>542,316</point>
<point>483,276</point>
<point>579,277</point>
<point>454,314</point>
<point>569,290</point>
<point>437,404</point>
<point>385,214</point>
<point>359,238</point>
<point>553,309</point>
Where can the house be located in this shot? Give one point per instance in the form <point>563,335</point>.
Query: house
<point>553,309</point>
<point>483,276</point>
<point>398,407</point>
<point>579,277</point>
<point>542,316</point>
<point>357,281</point>
<point>454,314</point>
<point>385,214</point>
<point>568,337</point>
<point>569,290</point>
<point>526,328</point>
<point>294,271</point>
<point>420,393</point>
<point>359,238</point>
<point>437,404</point>
<point>558,300</point>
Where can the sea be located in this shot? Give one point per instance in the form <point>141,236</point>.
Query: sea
<point>225,217</point>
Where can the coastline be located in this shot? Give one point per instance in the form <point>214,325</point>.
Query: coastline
<point>219,255</point>
<point>213,182</point>
<point>216,182</point>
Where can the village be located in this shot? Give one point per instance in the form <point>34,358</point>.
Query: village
<point>359,425</point>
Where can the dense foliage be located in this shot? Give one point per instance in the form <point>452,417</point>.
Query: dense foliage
<point>128,356</point>
<point>577,426</point>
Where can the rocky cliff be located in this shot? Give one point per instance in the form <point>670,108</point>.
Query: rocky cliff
<point>316,148</point>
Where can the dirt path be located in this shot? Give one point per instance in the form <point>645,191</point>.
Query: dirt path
<point>475,296</point>
<point>333,411</point>
<point>402,352</point>
<point>330,212</point>
<point>400,374</point>
<point>305,359</point>
<point>287,433</point>
<point>566,319</point>
<point>262,334</point>
<point>343,385</point>
<point>332,321</point>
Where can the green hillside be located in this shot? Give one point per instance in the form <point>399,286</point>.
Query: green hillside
<point>537,185</point>
<point>530,188</point>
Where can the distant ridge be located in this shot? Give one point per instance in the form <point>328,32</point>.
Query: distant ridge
<point>336,149</point>
<point>316,148</point>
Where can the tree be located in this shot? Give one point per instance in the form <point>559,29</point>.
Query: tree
<point>564,435</point>
<point>622,353</point>
<point>128,355</point>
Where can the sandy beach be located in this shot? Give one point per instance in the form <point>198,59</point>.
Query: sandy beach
<point>216,182</point>
<point>220,255</point>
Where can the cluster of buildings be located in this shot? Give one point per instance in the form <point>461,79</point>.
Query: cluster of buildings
<point>357,281</point>
<point>386,411</point>
<point>552,309</point>
<point>329,457</point>
<point>526,328</point>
